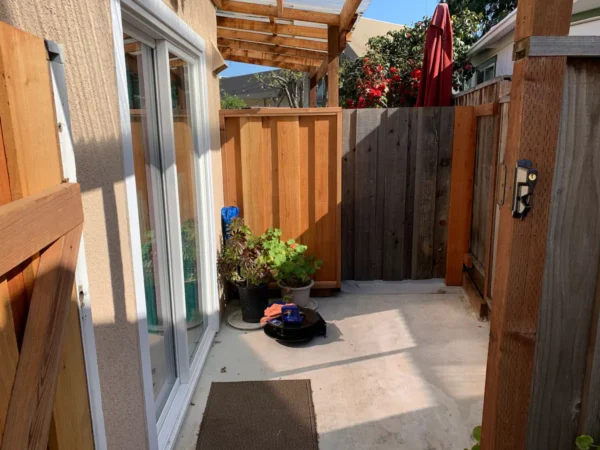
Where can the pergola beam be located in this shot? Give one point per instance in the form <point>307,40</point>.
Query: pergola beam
<point>347,19</point>
<point>277,49</point>
<point>273,28</point>
<point>347,15</point>
<point>226,52</point>
<point>333,67</point>
<point>261,62</point>
<point>285,13</point>
<point>273,40</point>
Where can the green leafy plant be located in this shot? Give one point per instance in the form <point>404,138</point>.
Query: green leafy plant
<point>243,259</point>
<point>229,101</point>
<point>288,261</point>
<point>585,442</point>
<point>476,434</point>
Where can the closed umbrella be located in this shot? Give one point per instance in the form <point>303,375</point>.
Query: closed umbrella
<point>436,75</point>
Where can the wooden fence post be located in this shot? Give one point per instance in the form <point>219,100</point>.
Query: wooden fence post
<point>333,69</point>
<point>533,134</point>
<point>461,192</point>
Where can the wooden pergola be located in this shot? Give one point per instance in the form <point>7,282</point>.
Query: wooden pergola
<point>283,36</point>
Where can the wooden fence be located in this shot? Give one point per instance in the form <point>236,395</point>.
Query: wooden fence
<point>281,168</point>
<point>396,166</point>
<point>44,400</point>
<point>491,101</point>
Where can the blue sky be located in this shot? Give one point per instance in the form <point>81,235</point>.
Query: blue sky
<point>396,11</point>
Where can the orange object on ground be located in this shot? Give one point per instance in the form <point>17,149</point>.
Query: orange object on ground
<point>272,312</point>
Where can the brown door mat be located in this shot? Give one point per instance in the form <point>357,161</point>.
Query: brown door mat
<point>259,415</point>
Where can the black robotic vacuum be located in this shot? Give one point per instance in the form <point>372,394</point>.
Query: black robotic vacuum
<point>312,325</point>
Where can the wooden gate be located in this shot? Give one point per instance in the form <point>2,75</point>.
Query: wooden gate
<point>490,102</point>
<point>396,166</point>
<point>44,400</point>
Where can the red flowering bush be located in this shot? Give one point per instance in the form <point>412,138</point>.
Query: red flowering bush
<point>390,73</point>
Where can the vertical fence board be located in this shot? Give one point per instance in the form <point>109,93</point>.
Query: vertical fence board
<point>307,181</point>
<point>325,162</point>
<point>425,193</point>
<point>413,129</point>
<point>571,270</point>
<point>266,153</point>
<point>366,178</point>
<point>253,190</point>
<point>376,272</point>
<point>348,192</point>
<point>288,151</point>
<point>395,170</point>
<point>442,201</point>
<point>232,165</point>
<point>461,192</point>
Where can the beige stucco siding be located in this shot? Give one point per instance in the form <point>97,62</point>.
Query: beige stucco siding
<point>84,30</point>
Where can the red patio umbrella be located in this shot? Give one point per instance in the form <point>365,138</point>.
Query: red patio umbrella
<point>436,75</point>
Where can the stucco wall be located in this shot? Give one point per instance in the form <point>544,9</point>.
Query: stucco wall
<point>84,30</point>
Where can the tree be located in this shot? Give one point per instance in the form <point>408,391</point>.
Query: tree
<point>289,83</point>
<point>229,101</point>
<point>492,11</point>
<point>389,74</point>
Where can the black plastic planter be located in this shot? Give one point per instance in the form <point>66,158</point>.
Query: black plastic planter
<point>254,301</point>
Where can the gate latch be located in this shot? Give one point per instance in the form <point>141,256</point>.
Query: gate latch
<point>525,180</point>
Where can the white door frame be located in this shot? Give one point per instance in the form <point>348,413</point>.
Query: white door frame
<point>67,152</point>
<point>154,17</point>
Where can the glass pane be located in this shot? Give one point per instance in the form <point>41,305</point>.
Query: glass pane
<point>185,157</point>
<point>148,180</point>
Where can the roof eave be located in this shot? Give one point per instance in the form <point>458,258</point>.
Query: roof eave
<point>496,33</point>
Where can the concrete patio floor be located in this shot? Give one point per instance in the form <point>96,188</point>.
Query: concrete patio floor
<point>403,367</point>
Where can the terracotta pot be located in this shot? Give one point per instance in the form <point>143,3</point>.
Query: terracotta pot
<point>300,296</point>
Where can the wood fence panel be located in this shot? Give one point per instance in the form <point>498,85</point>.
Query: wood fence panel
<point>379,204</point>
<point>442,197</point>
<point>280,167</point>
<point>348,173</point>
<point>288,155</point>
<point>397,186</point>
<point>33,163</point>
<point>481,187</point>
<point>425,193</point>
<point>367,139</point>
<point>461,192</point>
<point>396,172</point>
<point>413,130</point>
<point>570,279</point>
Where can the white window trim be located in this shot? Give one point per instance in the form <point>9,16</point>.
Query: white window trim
<point>67,151</point>
<point>148,16</point>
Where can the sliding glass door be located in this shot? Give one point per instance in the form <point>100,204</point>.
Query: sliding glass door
<point>160,79</point>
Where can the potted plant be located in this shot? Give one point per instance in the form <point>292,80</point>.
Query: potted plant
<point>291,267</point>
<point>243,262</point>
